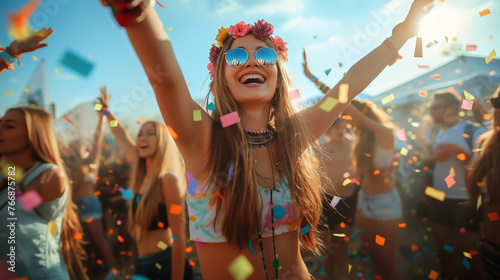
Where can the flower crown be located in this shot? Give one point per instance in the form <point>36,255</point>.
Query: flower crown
<point>260,30</point>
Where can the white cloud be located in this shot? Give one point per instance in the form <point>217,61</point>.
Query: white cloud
<point>300,23</point>
<point>65,76</point>
<point>332,41</point>
<point>286,7</point>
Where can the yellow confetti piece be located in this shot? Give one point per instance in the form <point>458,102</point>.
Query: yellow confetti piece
<point>404,151</point>
<point>34,58</point>
<point>452,172</point>
<point>481,184</point>
<point>113,123</point>
<point>98,107</point>
<point>478,202</point>
<point>240,268</point>
<point>158,266</point>
<point>328,104</point>
<point>339,234</point>
<point>56,70</point>
<point>388,98</point>
<point>468,95</point>
<point>350,266</point>
<point>169,28</point>
<point>26,89</point>
<point>93,166</point>
<point>346,182</point>
<point>435,193</point>
<point>467,255</point>
<point>9,92</point>
<point>162,245</point>
<point>52,228</point>
<point>196,115</point>
<point>343,93</point>
<point>490,57</point>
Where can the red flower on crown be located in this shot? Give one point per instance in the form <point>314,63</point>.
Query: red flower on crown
<point>239,30</point>
<point>214,52</point>
<point>262,30</point>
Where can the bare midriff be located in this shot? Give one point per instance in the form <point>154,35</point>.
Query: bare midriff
<point>148,243</point>
<point>215,258</point>
<point>377,184</point>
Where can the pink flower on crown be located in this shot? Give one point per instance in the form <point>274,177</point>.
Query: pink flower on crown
<point>214,52</point>
<point>239,30</point>
<point>211,69</point>
<point>280,46</point>
<point>262,30</point>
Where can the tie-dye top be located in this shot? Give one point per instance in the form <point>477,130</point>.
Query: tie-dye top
<point>202,207</point>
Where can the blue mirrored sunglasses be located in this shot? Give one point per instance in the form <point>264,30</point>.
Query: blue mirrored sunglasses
<point>237,57</point>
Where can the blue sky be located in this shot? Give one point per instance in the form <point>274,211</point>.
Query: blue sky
<point>332,32</point>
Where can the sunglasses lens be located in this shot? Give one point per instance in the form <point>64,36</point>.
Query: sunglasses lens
<point>266,57</point>
<point>236,57</point>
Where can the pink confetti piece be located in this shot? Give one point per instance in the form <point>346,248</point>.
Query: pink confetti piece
<point>30,200</point>
<point>401,135</point>
<point>467,104</point>
<point>493,73</point>
<point>230,119</point>
<point>68,120</point>
<point>436,77</point>
<point>471,48</point>
<point>335,201</point>
<point>159,4</point>
<point>449,181</point>
<point>423,66</point>
<point>346,175</point>
<point>294,94</point>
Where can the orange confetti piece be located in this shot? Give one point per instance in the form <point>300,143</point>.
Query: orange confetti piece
<point>19,20</point>
<point>346,117</point>
<point>97,193</point>
<point>422,93</point>
<point>175,209</point>
<point>484,12</point>
<point>379,240</point>
<point>161,224</point>
<point>191,263</point>
<point>110,231</point>
<point>99,262</point>
<point>120,238</point>
<point>402,225</point>
<point>172,132</point>
<point>463,230</point>
<point>88,221</point>
<point>367,155</point>
<point>436,77</point>
<point>466,135</point>
<point>78,236</point>
<point>433,275</point>
<point>342,225</point>
<point>461,156</point>
<point>414,248</point>
<point>376,172</point>
<point>189,249</point>
<point>493,216</point>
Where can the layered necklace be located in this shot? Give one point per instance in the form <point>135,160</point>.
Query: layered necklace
<point>263,138</point>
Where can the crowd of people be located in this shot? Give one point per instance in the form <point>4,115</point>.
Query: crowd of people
<point>258,182</point>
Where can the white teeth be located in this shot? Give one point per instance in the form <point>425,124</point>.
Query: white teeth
<point>252,76</point>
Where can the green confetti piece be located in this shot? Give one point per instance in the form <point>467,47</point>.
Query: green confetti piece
<point>240,268</point>
<point>196,115</point>
<point>113,123</point>
<point>328,104</point>
<point>162,245</point>
<point>468,96</point>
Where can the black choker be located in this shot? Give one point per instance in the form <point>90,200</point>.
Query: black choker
<point>261,138</point>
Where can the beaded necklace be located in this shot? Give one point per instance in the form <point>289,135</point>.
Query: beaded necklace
<point>263,138</point>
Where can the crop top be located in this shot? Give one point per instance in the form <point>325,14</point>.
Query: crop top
<point>382,157</point>
<point>202,208</point>
<point>161,214</point>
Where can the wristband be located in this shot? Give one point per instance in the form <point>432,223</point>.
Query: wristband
<point>314,79</point>
<point>391,46</point>
<point>105,111</point>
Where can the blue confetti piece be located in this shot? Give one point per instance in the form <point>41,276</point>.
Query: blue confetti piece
<point>211,106</point>
<point>231,171</point>
<point>466,263</point>
<point>251,247</point>
<point>77,63</point>
<point>110,139</point>
<point>137,199</point>
<point>448,248</point>
<point>193,184</point>
<point>304,230</point>
<point>127,194</point>
<point>139,277</point>
<point>279,213</point>
<point>175,238</point>
<point>327,71</point>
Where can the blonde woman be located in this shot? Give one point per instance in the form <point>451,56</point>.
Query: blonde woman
<point>259,191</point>
<point>46,242</point>
<point>156,217</point>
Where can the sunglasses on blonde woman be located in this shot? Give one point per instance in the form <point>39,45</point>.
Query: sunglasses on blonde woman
<point>237,57</point>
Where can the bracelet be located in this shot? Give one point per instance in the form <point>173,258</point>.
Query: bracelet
<point>392,47</point>
<point>9,52</point>
<point>314,79</point>
<point>105,111</point>
<point>8,59</point>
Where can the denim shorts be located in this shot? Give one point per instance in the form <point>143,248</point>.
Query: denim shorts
<point>90,207</point>
<point>384,206</point>
<point>159,266</point>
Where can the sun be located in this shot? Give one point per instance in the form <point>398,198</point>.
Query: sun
<point>440,23</point>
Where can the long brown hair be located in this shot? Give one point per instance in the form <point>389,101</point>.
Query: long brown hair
<point>229,146</point>
<point>42,139</point>
<point>363,152</point>
<point>166,159</point>
<point>487,165</point>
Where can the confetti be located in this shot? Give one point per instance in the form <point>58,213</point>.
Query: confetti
<point>379,240</point>
<point>467,255</point>
<point>158,266</point>
<point>422,93</point>
<point>113,123</point>
<point>335,201</point>
<point>467,104</point>
<point>76,63</point>
<point>78,236</point>
<point>196,115</point>
<point>423,66</point>
<point>347,117</point>
<point>93,166</point>
<point>433,275</point>
<point>211,106</point>
<point>376,172</point>
<point>404,151</point>
<point>251,247</point>
<point>159,4</point>
<point>435,193</point>
<point>162,245</point>
<point>9,92</point>
<point>66,118</point>
<point>127,194</point>
<point>346,182</point>
<point>446,38</point>
<point>230,119</point>
<point>478,202</point>
<point>328,104</point>
<point>34,58</point>
<point>401,135</point>
<point>343,93</point>
<point>52,228</point>
<point>471,48</point>
<point>327,71</point>
<point>468,95</point>
<point>98,107</point>
<point>304,230</point>
<point>278,212</point>
<point>449,181</point>
<point>493,73</point>
<point>120,238</point>
<point>175,209</point>
<point>490,57</point>
<point>169,27</point>
<point>461,156</point>
<point>294,94</point>
<point>30,200</point>
<point>172,132</point>
<point>484,12</point>
<point>339,234</point>
<point>350,266</point>
<point>448,248</point>
<point>240,268</point>
<point>493,216</point>
<point>19,20</point>
<point>402,225</point>
<point>452,172</point>
<point>466,263</point>
<point>388,98</point>
<point>414,248</point>
<point>193,184</point>
<point>431,44</point>
<point>436,77</point>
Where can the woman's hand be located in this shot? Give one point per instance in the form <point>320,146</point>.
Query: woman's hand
<point>104,97</point>
<point>306,67</point>
<point>31,43</point>
<point>411,24</point>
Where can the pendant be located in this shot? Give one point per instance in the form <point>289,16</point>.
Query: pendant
<point>276,264</point>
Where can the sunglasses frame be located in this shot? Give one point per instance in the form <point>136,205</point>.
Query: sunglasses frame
<point>255,56</point>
